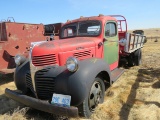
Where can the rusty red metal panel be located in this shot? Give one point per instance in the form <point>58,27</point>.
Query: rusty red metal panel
<point>15,38</point>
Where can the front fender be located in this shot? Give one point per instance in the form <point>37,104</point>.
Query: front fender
<point>79,82</point>
<point>19,76</point>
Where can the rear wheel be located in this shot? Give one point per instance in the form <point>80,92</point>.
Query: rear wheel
<point>95,96</point>
<point>131,61</point>
<point>135,58</point>
<point>138,57</point>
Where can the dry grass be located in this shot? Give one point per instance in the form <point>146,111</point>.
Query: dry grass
<point>6,104</point>
<point>135,96</point>
<point>136,93</point>
<point>152,32</point>
<point>18,114</point>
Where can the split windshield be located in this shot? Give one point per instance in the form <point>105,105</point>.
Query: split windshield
<point>83,28</point>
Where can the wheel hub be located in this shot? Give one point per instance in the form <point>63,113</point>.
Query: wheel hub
<point>95,95</point>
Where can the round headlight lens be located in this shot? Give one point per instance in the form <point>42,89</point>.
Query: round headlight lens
<point>72,64</point>
<point>19,59</point>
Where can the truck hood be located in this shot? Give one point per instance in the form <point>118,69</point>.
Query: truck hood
<point>63,45</point>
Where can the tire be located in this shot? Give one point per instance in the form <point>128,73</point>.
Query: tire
<point>138,57</point>
<point>131,61</point>
<point>95,96</point>
<point>145,40</point>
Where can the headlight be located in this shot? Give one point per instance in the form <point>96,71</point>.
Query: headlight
<point>19,59</point>
<point>72,64</point>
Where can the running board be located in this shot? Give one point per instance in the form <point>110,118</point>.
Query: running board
<point>116,73</point>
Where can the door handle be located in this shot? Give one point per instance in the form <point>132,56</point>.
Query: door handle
<point>100,44</point>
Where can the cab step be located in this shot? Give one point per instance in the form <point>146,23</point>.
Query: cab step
<point>116,73</point>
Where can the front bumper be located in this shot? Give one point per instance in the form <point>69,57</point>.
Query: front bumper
<point>42,105</point>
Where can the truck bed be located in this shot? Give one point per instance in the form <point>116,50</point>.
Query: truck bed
<point>133,42</point>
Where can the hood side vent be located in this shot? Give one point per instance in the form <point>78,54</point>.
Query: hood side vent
<point>44,60</point>
<point>83,54</point>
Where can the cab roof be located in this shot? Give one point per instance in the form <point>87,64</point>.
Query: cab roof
<point>100,18</point>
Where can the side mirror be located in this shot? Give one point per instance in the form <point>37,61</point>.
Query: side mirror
<point>104,40</point>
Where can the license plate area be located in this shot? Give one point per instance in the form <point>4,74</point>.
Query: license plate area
<point>63,100</point>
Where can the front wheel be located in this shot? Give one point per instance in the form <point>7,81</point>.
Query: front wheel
<point>95,96</point>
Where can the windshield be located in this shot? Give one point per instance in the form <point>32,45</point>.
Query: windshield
<point>84,28</point>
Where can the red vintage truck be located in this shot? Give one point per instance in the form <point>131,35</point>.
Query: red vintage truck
<point>69,76</point>
<point>15,38</point>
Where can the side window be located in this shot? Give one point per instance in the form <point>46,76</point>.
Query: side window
<point>110,29</point>
<point>69,31</point>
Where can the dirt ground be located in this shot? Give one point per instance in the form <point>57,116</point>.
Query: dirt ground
<point>134,96</point>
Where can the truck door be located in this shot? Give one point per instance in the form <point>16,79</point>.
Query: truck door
<point>111,43</point>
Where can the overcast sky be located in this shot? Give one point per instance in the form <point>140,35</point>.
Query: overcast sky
<point>139,13</point>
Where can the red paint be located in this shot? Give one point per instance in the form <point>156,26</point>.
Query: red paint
<point>15,38</point>
<point>67,47</point>
<point>113,65</point>
<point>80,47</point>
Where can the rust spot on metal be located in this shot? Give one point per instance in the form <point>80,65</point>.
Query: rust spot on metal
<point>0,47</point>
<point>94,60</point>
<point>47,45</point>
<point>28,26</point>
<point>6,27</point>
<point>14,37</point>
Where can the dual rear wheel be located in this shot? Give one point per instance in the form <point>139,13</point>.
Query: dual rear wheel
<point>135,58</point>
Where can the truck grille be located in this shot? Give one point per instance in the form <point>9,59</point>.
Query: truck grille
<point>44,85</point>
<point>44,60</point>
<point>29,81</point>
<point>84,54</point>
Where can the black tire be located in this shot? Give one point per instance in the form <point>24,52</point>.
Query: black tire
<point>95,96</point>
<point>131,61</point>
<point>138,57</point>
<point>145,40</point>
